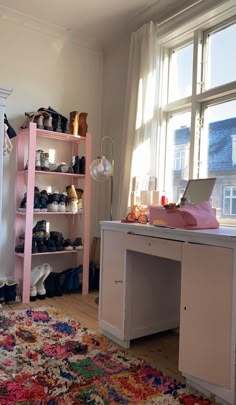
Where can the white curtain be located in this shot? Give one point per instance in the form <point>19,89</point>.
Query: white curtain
<point>140,126</point>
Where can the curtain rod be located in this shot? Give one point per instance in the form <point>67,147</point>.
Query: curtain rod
<point>178,13</point>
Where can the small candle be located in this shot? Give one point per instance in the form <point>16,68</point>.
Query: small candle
<point>155,197</point>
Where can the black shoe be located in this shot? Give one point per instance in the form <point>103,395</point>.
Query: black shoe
<point>77,244</point>
<point>68,245</point>
<point>53,201</point>
<point>19,248</point>
<point>42,248</point>
<point>2,291</point>
<point>23,203</point>
<point>76,165</point>
<point>50,245</point>
<point>62,202</point>
<point>34,246</point>
<point>39,231</point>
<point>10,291</point>
<point>43,200</point>
<point>36,201</point>
<point>58,239</point>
<point>40,226</point>
<point>82,165</point>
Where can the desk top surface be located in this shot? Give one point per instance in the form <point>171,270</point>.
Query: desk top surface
<point>226,235</point>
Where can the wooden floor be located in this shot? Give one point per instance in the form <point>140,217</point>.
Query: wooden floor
<point>159,350</point>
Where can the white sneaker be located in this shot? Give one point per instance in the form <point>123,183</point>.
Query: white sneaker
<point>41,291</point>
<point>36,273</point>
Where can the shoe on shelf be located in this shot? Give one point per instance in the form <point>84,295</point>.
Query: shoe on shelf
<point>10,291</point>
<point>75,164</point>
<point>47,123</point>
<point>53,201</point>
<point>43,201</point>
<point>72,206</point>
<point>62,202</point>
<point>77,244</point>
<point>71,193</point>
<point>68,244</point>
<point>64,168</point>
<point>42,247</point>
<point>19,248</point>
<point>82,163</point>
<point>44,161</point>
<point>50,243</point>
<point>38,159</point>
<point>58,240</point>
<point>36,201</point>
<point>22,206</point>
<point>34,246</point>
<point>40,226</point>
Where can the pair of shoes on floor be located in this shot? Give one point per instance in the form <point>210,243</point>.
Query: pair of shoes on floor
<point>65,282</point>
<point>38,277</point>
<point>8,291</point>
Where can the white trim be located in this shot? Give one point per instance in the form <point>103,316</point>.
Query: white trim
<point>34,24</point>
<point>203,15</point>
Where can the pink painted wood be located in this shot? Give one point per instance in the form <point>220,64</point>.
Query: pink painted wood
<point>87,202</point>
<point>24,220</point>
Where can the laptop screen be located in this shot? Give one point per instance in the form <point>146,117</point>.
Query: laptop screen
<point>199,190</point>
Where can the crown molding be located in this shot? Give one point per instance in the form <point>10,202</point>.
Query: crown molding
<point>4,93</point>
<point>33,24</point>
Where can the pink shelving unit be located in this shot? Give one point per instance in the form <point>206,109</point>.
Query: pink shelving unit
<point>23,261</point>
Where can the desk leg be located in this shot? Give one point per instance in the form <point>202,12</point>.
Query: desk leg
<point>123,343</point>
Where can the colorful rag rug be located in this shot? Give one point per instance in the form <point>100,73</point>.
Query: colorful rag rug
<point>49,359</point>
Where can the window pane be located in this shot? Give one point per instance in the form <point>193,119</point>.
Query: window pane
<point>177,155</point>
<point>217,151</point>
<point>221,57</point>
<point>180,79</point>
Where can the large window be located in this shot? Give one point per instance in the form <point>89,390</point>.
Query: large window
<point>198,111</point>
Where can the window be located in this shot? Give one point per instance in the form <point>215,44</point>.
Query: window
<point>229,201</point>
<point>198,110</point>
<point>179,159</point>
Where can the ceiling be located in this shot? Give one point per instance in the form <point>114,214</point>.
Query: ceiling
<point>100,20</point>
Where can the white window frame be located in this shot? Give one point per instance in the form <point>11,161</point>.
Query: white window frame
<point>176,33</point>
<point>231,197</point>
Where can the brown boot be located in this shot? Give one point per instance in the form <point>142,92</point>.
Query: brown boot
<point>74,122</point>
<point>71,193</point>
<point>83,126</point>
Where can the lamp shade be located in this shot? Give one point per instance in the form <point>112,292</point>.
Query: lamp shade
<point>101,169</point>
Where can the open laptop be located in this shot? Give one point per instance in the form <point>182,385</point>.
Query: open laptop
<point>199,190</point>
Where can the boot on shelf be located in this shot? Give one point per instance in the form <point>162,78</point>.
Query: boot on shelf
<point>83,126</point>
<point>72,200</point>
<point>74,122</point>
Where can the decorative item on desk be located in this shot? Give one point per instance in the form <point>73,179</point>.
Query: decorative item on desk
<point>101,169</point>
<point>155,197</point>
<point>132,218</point>
<point>145,197</point>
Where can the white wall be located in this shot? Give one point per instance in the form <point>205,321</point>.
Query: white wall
<point>45,69</point>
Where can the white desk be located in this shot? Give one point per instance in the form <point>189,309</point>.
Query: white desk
<point>154,279</point>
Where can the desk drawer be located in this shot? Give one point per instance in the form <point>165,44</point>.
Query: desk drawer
<point>155,246</point>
